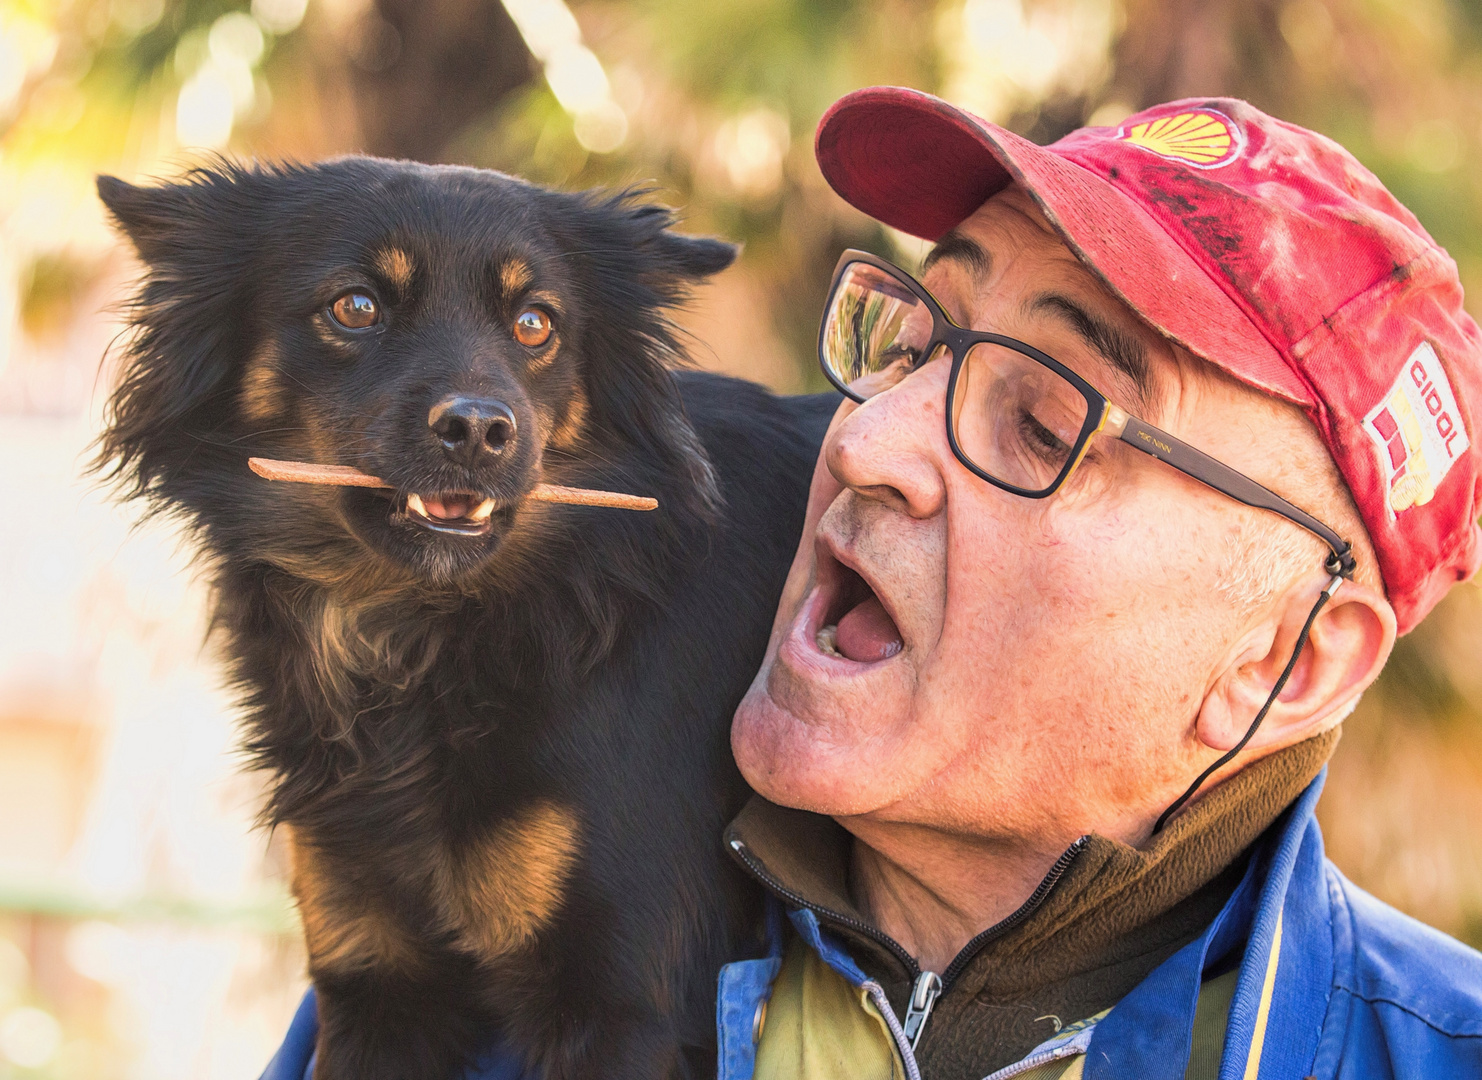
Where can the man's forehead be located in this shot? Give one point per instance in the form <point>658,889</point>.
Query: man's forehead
<point>1005,229</point>
<point>1011,235</point>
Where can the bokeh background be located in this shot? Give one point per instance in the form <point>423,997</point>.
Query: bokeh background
<point>144,925</point>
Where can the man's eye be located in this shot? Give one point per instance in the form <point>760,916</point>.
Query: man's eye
<point>899,353</point>
<point>1040,440</point>
<point>355,310</point>
<point>533,328</point>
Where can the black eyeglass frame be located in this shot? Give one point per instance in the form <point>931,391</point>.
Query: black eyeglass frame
<point>1101,416</point>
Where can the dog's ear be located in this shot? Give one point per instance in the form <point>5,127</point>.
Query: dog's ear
<point>699,256</point>
<point>187,330</point>
<point>639,271</point>
<point>667,257</point>
<point>692,257</point>
<point>151,217</point>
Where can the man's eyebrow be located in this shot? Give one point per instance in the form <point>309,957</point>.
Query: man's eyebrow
<point>963,249</point>
<point>1119,348</point>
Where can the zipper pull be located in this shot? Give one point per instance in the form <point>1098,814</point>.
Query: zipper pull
<point>923,996</point>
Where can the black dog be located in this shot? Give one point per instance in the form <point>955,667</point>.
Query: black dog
<point>497,729</point>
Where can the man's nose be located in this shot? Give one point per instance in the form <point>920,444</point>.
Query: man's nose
<point>472,428</point>
<point>893,448</point>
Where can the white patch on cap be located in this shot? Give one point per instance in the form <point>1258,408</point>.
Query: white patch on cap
<point>1417,430</point>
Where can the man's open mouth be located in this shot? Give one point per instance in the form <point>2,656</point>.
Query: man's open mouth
<point>460,513</point>
<point>857,627</point>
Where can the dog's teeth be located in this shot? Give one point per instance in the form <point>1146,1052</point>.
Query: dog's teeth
<point>827,639</point>
<point>414,504</point>
<point>482,511</point>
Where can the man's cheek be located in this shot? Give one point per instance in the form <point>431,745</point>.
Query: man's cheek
<point>825,487</point>
<point>822,492</point>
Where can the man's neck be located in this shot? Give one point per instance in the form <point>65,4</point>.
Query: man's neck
<point>1107,918</point>
<point>933,892</point>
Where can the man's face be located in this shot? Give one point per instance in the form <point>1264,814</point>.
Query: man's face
<point>1003,665</point>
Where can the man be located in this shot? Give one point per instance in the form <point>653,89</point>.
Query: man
<point>1050,693</point>
<point>1138,485</point>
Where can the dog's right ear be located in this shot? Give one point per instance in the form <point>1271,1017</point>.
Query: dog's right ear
<point>196,239</point>
<point>151,217</point>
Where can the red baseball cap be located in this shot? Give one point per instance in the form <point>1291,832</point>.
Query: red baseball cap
<point>1259,246</point>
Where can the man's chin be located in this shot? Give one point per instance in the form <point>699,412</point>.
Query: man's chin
<point>807,756</point>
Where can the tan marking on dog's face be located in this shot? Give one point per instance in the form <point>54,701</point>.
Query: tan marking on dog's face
<point>396,266</point>
<point>542,360</point>
<point>262,397</point>
<point>574,423</point>
<point>335,338</point>
<point>515,277</point>
<point>344,929</point>
<point>509,887</point>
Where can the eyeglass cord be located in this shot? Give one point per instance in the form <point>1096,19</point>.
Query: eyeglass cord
<point>1225,759</point>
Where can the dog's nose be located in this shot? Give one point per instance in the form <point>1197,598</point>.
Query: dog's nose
<point>469,427</point>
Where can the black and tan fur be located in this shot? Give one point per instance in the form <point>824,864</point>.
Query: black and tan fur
<point>502,760</point>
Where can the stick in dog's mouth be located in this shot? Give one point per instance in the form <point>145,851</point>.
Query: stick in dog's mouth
<point>475,511</point>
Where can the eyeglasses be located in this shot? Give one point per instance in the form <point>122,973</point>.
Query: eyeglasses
<point>1016,417</point>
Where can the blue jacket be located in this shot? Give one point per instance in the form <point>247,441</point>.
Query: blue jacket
<point>1333,985</point>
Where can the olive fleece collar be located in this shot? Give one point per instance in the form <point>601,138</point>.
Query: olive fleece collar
<point>1099,924</point>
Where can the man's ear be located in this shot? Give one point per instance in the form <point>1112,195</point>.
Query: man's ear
<point>1349,643</point>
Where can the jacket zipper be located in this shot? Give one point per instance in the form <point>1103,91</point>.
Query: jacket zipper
<point>927,986</point>
<point>786,894</point>
<point>1018,915</point>
<point>924,995</point>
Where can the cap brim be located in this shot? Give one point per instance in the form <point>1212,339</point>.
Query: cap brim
<point>923,166</point>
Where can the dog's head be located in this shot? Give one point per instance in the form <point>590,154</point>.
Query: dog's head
<point>457,332</point>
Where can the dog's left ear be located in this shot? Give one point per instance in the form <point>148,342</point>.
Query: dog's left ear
<point>645,270</point>
<point>670,262</point>
<point>694,258</point>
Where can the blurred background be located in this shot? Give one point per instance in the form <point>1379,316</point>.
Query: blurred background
<point>144,925</point>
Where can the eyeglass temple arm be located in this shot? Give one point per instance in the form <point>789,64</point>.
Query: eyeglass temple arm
<point>1222,478</point>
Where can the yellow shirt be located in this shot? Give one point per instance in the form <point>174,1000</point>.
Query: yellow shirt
<point>817,1026</point>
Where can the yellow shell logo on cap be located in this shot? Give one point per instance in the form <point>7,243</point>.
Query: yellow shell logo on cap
<point>1202,138</point>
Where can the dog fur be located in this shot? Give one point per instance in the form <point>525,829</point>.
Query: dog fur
<point>503,759</point>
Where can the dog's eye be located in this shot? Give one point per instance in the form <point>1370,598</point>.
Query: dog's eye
<point>532,328</point>
<point>355,311</point>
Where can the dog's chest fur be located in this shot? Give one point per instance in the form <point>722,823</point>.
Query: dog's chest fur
<point>474,841</point>
<point>488,799</point>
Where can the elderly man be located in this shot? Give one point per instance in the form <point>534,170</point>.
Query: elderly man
<point>1045,712</point>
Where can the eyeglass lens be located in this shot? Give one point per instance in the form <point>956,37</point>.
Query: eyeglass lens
<point>1015,419</point>
<point>873,331</point>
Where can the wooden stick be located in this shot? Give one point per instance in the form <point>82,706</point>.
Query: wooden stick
<point>303,472</point>
<point>589,497</point>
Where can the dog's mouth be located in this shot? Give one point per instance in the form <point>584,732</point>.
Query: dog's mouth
<point>457,513</point>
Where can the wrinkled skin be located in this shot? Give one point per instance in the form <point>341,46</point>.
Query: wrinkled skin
<point>1064,665</point>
